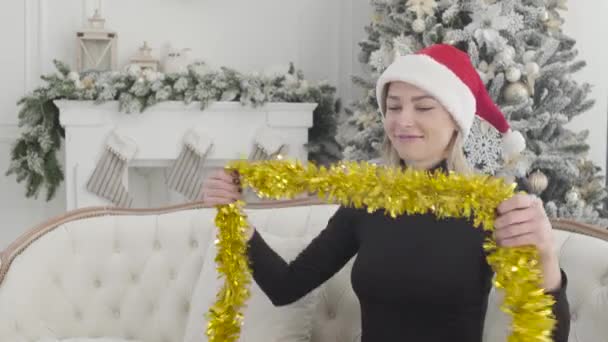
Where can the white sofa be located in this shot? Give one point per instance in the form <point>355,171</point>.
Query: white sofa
<point>102,274</point>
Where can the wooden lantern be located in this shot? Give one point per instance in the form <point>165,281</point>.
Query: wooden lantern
<point>144,58</point>
<point>96,46</point>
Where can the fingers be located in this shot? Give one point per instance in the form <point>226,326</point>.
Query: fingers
<point>512,231</point>
<point>221,188</point>
<point>522,221</point>
<point>214,184</point>
<point>233,195</point>
<point>528,239</point>
<point>515,217</point>
<point>223,175</point>
<point>519,201</point>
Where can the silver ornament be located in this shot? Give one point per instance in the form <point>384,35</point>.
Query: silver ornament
<point>418,25</point>
<point>513,74</point>
<point>572,197</point>
<point>509,52</point>
<point>532,69</point>
<point>538,182</point>
<point>516,92</point>
<point>544,15</point>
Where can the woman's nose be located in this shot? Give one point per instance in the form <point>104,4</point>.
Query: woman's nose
<point>405,117</point>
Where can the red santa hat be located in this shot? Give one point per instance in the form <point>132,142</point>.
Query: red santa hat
<point>448,75</point>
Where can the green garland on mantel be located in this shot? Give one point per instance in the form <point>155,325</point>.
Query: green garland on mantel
<point>34,154</point>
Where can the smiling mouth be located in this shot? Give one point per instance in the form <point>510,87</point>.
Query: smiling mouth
<point>408,137</point>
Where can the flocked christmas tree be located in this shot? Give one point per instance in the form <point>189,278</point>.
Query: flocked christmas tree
<point>526,62</point>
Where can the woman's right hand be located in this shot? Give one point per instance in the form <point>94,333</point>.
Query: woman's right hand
<point>222,187</point>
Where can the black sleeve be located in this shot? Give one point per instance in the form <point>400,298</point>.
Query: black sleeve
<point>326,254</point>
<point>561,310</point>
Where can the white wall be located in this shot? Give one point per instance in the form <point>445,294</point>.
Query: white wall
<point>319,36</point>
<point>586,22</point>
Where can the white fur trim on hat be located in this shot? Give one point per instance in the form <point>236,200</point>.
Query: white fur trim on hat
<point>513,143</point>
<point>436,79</point>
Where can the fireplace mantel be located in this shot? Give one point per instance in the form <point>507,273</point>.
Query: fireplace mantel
<point>160,129</point>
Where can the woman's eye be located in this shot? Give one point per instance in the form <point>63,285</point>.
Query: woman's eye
<point>394,108</point>
<point>424,109</point>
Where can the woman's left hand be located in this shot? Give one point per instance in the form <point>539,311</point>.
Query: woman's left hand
<point>522,221</point>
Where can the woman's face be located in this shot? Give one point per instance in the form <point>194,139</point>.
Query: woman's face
<point>418,126</point>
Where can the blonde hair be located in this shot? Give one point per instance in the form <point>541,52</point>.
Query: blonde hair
<point>456,160</point>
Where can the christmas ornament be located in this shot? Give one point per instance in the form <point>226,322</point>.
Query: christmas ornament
<point>486,72</point>
<point>418,26</point>
<point>572,196</point>
<point>107,178</point>
<point>538,182</point>
<point>509,52</point>
<point>397,192</point>
<point>532,68</point>
<point>529,56</point>
<point>513,74</point>
<point>516,92</point>
<point>544,15</point>
<point>186,174</point>
<point>483,147</point>
<point>532,74</point>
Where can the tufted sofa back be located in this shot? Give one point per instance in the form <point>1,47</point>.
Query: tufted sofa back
<point>103,272</point>
<point>131,273</point>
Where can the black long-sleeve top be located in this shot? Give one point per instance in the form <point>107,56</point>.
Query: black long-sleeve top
<point>417,278</point>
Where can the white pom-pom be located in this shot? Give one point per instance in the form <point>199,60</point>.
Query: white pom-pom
<point>513,143</point>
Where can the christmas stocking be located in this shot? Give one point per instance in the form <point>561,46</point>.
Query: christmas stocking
<point>186,175</point>
<point>267,145</point>
<point>107,178</point>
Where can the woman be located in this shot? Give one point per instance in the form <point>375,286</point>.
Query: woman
<point>417,278</point>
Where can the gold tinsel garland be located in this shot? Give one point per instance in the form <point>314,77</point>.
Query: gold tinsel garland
<point>397,192</point>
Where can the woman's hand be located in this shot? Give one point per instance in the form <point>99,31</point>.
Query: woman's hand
<point>522,221</point>
<point>222,188</point>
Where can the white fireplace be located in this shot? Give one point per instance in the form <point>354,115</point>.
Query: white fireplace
<point>158,133</point>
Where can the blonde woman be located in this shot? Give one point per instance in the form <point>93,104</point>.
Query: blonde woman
<point>417,278</point>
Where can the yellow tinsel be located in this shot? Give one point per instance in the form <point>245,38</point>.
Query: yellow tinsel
<point>397,192</point>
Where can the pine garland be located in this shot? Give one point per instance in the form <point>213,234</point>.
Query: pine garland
<point>34,154</point>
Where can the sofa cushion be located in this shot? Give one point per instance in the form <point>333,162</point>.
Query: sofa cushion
<point>263,321</point>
